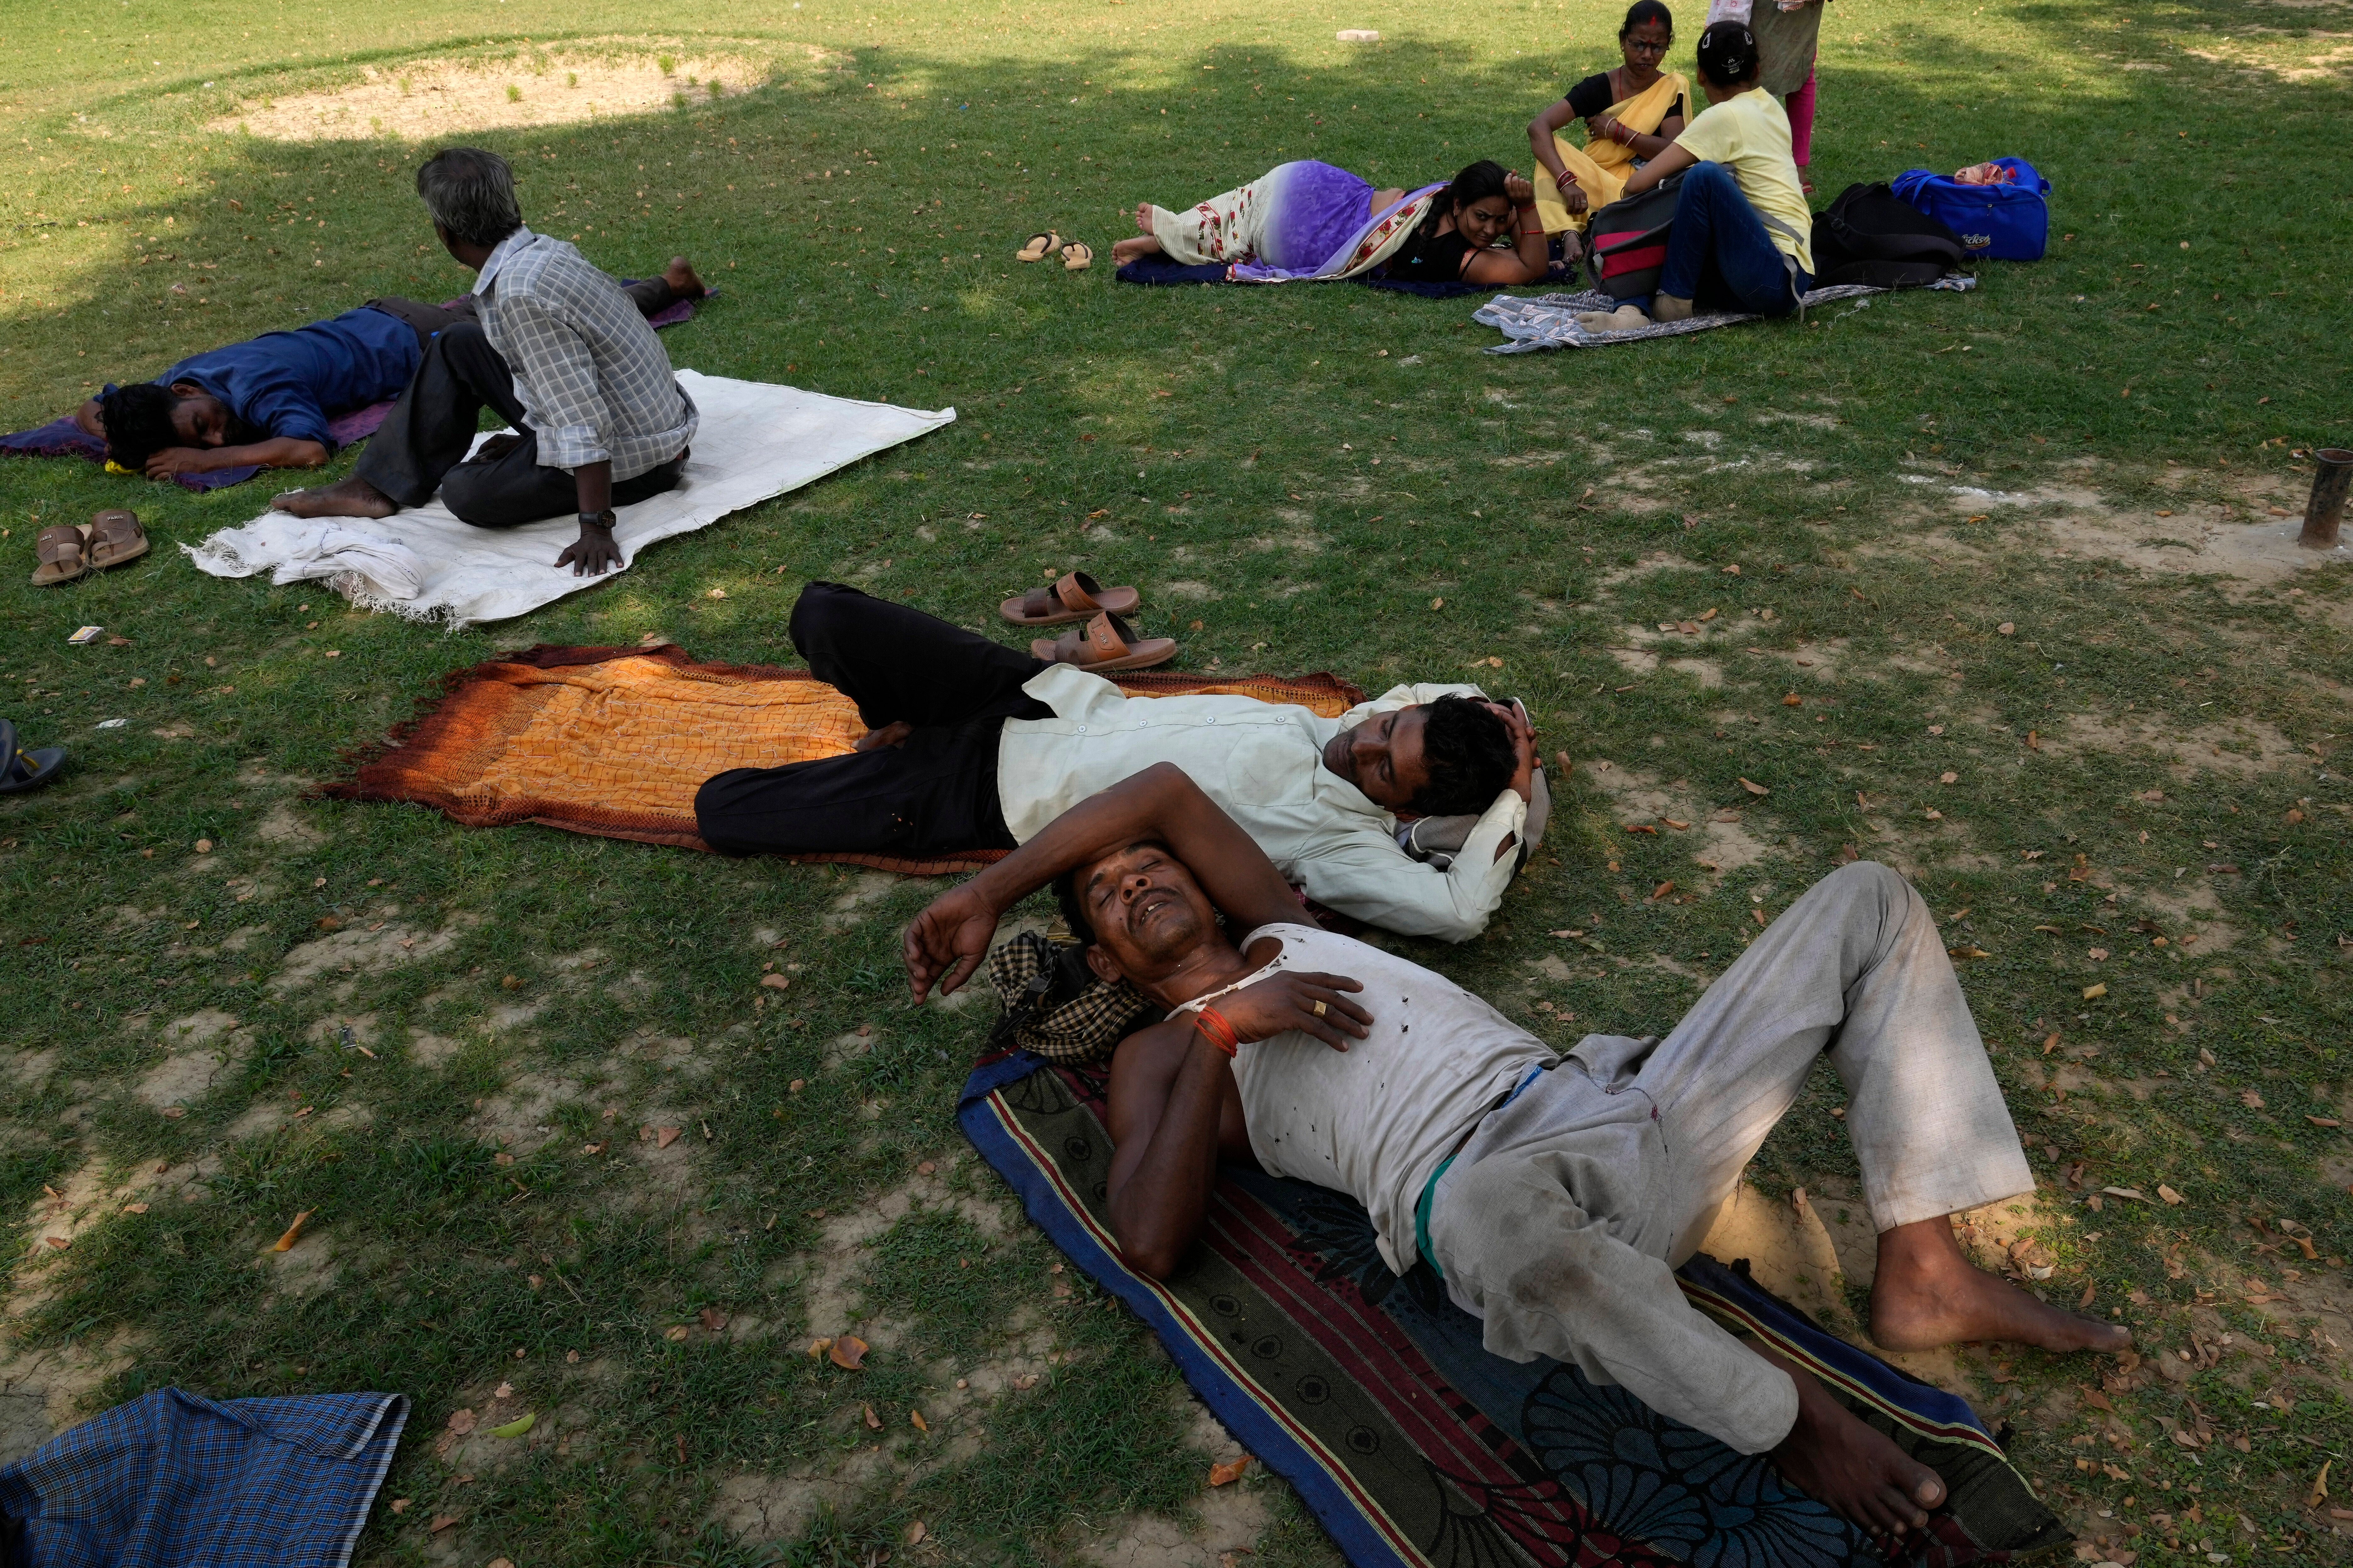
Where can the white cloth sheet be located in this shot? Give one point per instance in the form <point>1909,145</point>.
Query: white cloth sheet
<point>757,440</point>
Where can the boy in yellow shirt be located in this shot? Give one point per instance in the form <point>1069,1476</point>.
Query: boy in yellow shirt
<point>1742,238</point>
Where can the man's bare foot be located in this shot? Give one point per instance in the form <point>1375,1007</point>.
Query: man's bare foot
<point>683,280</point>
<point>1126,250</point>
<point>345,498</point>
<point>1849,1467</point>
<point>1927,1294</point>
<point>894,733</point>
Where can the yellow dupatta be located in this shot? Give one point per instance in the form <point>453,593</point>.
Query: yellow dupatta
<point>1600,168</point>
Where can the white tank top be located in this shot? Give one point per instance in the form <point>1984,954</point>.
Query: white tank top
<point>1375,1121</point>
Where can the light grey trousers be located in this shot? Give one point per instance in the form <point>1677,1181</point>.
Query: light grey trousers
<point>1562,1219</point>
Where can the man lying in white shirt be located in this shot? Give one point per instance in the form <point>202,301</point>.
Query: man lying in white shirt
<point>973,745</point>
<point>1555,1195</point>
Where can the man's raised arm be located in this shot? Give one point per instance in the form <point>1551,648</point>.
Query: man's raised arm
<point>946,942</point>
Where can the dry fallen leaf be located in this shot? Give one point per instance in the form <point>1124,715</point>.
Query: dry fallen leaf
<point>2093,993</point>
<point>915,1419</point>
<point>676,1333</point>
<point>1226,1475</point>
<point>2134,1193</point>
<point>775,981</point>
<point>1753,787</point>
<point>848,1353</point>
<point>665,1136</point>
<point>2324,1121</point>
<point>399,1505</point>
<point>2168,1194</point>
<point>134,1208</point>
<point>293,1232</point>
<point>874,1422</point>
<point>1027,1380</point>
<point>1661,890</point>
<point>2251,1100</point>
<point>713,1319</point>
<point>461,1422</point>
<point>441,1522</point>
<point>915,1534</point>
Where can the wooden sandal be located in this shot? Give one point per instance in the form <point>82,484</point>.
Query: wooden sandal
<point>64,554</point>
<point>1073,598</point>
<point>1108,643</point>
<point>1039,246</point>
<point>1078,255</point>
<point>115,539</point>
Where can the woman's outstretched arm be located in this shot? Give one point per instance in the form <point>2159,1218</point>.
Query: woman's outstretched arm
<point>1541,130</point>
<point>1674,160</point>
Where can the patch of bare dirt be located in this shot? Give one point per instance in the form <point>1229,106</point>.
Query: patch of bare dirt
<point>1719,839</point>
<point>435,97</point>
<point>2246,748</point>
<point>866,890</point>
<point>2198,537</point>
<point>197,1049</point>
<point>372,944</point>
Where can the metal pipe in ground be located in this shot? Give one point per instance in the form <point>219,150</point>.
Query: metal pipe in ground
<point>2324,514</point>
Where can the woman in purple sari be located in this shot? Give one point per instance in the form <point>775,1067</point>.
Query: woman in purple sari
<point>1307,221</point>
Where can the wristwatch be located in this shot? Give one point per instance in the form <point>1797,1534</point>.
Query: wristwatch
<point>603,519</point>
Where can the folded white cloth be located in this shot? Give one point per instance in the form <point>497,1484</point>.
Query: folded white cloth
<point>330,547</point>
<point>756,440</point>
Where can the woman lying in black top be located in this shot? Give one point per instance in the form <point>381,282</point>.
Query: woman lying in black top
<point>1457,238</point>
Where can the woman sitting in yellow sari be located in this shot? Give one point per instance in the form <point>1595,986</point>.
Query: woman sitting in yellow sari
<point>1631,114</point>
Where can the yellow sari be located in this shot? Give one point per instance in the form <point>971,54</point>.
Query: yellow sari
<point>1600,168</point>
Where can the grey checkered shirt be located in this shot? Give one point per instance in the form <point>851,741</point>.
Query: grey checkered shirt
<point>592,375</point>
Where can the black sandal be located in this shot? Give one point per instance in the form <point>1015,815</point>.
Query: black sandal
<point>21,770</point>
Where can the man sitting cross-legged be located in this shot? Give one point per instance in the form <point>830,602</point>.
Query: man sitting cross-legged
<point>1556,1195</point>
<point>560,354</point>
<point>975,745</point>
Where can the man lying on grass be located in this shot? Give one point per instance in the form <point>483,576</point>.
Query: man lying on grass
<point>1556,1195</point>
<point>975,745</point>
<point>560,354</point>
<point>267,402</point>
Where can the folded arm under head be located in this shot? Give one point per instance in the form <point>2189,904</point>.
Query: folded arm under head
<point>183,429</point>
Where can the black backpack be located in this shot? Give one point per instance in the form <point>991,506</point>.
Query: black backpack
<point>1626,242</point>
<point>1873,237</point>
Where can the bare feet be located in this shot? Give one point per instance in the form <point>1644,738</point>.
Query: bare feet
<point>344,497</point>
<point>1928,1293</point>
<point>1143,218</point>
<point>1850,1468</point>
<point>683,280</point>
<point>894,733</point>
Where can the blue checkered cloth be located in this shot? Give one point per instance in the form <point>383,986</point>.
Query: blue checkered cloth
<point>173,1480</point>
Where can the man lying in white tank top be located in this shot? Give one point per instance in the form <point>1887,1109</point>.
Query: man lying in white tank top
<point>1555,1195</point>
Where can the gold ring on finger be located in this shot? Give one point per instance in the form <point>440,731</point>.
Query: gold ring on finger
<point>1322,1008</point>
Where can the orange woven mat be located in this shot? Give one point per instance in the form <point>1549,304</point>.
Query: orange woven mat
<point>616,740</point>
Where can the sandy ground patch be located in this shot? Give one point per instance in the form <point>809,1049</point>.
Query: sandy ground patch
<point>198,1048</point>
<point>1718,838</point>
<point>1220,1524</point>
<point>2199,538</point>
<point>559,87</point>
<point>866,890</point>
<point>370,943</point>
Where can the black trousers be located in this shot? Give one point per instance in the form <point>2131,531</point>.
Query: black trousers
<point>936,794</point>
<point>651,296</point>
<point>422,445</point>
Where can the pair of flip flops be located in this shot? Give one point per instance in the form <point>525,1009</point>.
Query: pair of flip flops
<point>1076,254</point>
<point>1107,642</point>
<point>21,770</point>
<point>68,551</point>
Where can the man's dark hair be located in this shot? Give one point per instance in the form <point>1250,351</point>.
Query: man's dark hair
<point>471,193</point>
<point>1727,53</point>
<point>138,420</point>
<point>1075,910</point>
<point>1642,11</point>
<point>1468,749</point>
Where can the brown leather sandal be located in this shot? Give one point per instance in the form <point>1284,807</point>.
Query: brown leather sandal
<point>1073,598</point>
<point>115,539</point>
<point>64,554</point>
<point>1108,643</point>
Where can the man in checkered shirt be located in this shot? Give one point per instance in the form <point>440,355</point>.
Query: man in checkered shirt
<point>560,353</point>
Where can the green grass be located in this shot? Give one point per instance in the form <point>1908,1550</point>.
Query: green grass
<point>858,208</point>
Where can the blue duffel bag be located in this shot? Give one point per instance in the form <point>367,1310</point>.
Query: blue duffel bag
<point>1997,223</point>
